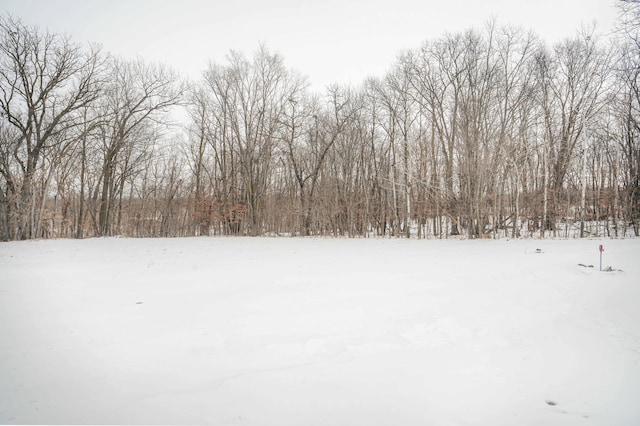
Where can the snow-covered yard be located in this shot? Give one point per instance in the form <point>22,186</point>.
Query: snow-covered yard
<point>273,331</point>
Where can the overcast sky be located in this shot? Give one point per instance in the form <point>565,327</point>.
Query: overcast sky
<point>341,41</point>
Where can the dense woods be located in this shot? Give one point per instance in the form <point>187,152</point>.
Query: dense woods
<point>486,133</point>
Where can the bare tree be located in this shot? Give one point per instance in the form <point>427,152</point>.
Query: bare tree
<point>10,181</point>
<point>137,96</point>
<point>439,78</point>
<point>44,80</point>
<point>247,102</point>
<point>573,82</point>
<point>628,109</point>
<point>197,158</point>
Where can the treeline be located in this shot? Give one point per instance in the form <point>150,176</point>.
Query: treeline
<point>484,133</point>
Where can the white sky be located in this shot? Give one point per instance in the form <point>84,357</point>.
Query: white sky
<point>341,41</point>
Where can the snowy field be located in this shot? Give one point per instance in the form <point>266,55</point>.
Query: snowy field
<point>234,331</point>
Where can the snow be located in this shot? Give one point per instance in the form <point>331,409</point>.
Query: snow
<point>304,331</point>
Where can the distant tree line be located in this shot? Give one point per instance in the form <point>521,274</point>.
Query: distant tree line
<point>484,133</point>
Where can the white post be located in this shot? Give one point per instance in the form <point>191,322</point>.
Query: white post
<point>601,250</point>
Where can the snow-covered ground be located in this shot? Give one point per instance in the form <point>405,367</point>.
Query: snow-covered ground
<point>232,331</point>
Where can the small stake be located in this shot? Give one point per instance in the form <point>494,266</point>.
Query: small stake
<point>601,250</point>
